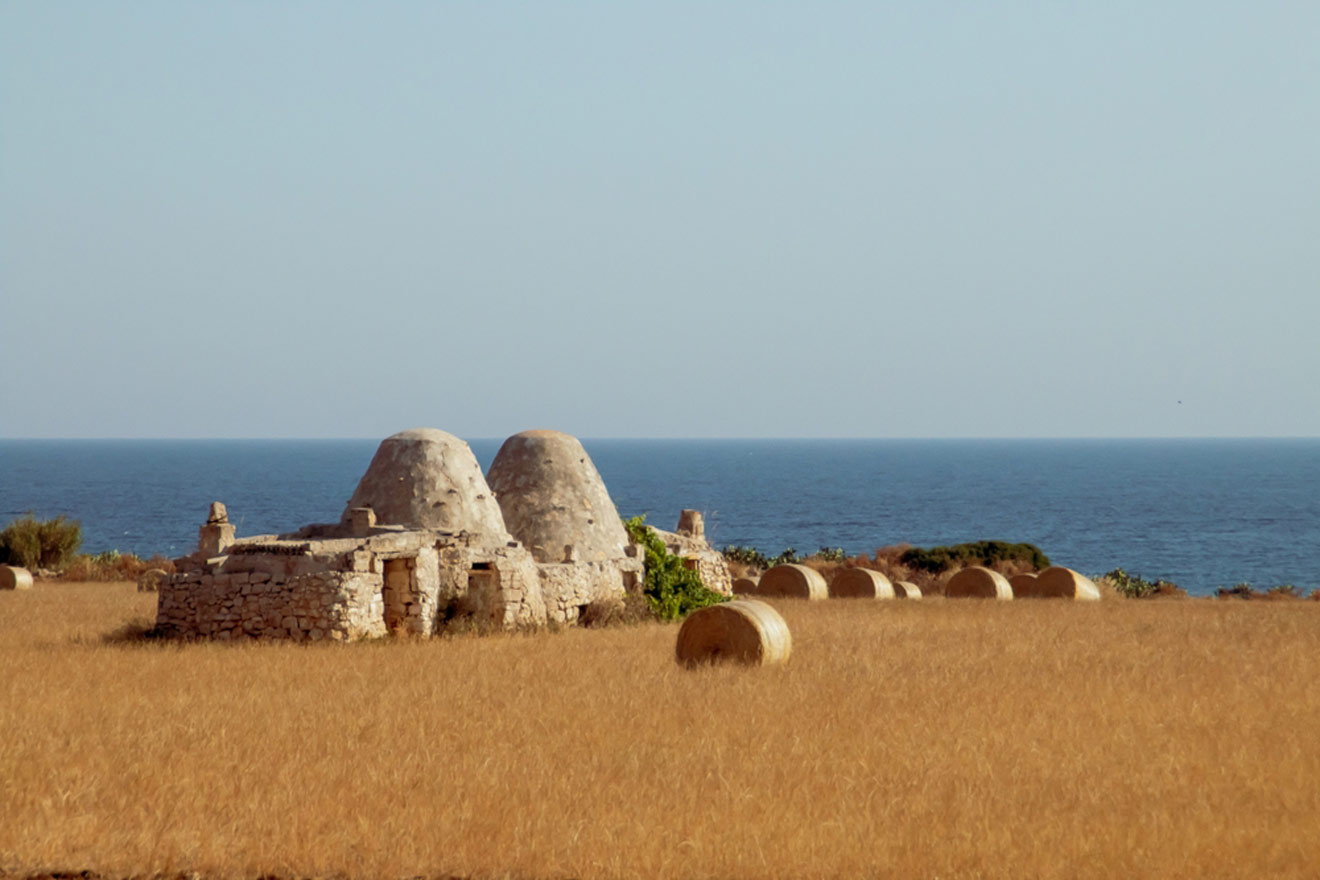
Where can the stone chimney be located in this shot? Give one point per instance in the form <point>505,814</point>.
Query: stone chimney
<point>214,538</point>
<point>691,524</point>
<point>363,520</point>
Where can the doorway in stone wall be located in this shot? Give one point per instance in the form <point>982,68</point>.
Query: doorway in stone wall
<point>483,591</point>
<point>396,591</point>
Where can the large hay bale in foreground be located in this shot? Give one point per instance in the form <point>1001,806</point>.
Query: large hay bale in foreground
<point>745,586</point>
<point>14,578</point>
<point>151,579</point>
<point>792,582</point>
<point>1024,586</point>
<point>742,631</point>
<point>1058,582</point>
<point>978,582</point>
<point>906,590</point>
<point>860,583</point>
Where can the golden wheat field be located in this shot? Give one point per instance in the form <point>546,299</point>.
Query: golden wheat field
<point>922,739</point>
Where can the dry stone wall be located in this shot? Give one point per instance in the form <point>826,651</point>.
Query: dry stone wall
<point>708,562</point>
<point>569,587</point>
<point>521,595</point>
<point>347,588</point>
<point>325,605</point>
<point>503,582</point>
<point>410,590</point>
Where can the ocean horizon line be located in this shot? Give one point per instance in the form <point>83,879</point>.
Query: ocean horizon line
<point>693,439</point>
<point>1197,511</point>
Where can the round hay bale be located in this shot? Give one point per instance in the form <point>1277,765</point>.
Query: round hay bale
<point>742,631</point>
<point>978,582</point>
<point>150,580</point>
<point>906,590</point>
<point>792,582</point>
<point>860,583</point>
<point>14,578</point>
<point>1024,586</point>
<point>745,586</point>
<point>1058,582</point>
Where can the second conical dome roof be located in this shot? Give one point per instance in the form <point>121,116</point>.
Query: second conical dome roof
<point>553,498</point>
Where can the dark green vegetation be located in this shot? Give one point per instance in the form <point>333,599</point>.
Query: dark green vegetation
<point>1133,586</point>
<point>31,543</point>
<point>53,544</point>
<point>987,553</point>
<point>1245,590</point>
<point>753,557</point>
<point>672,590</point>
<point>746,555</point>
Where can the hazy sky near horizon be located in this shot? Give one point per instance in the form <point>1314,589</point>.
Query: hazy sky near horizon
<point>740,219</point>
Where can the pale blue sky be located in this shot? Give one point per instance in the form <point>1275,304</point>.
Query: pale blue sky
<point>262,219</point>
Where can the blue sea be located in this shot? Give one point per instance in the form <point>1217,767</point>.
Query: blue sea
<point>1202,513</point>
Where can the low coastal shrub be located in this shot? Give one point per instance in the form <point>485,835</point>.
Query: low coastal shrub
<point>52,544</point>
<point>748,556</point>
<point>1134,586</point>
<point>988,553</point>
<point>888,561</point>
<point>1129,586</point>
<point>32,543</point>
<point>672,590</point>
<point>112,566</point>
<point>828,561</point>
<point>750,562</point>
<point>1244,590</point>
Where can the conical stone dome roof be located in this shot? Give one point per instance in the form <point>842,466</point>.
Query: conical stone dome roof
<point>426,478</point>
<point>553,498</point>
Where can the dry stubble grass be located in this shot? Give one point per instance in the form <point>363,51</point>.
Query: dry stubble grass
<point>938,738</point>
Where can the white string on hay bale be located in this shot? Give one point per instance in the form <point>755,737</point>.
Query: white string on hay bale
<point>742,631</point>
<point>14,578</point>
<point>1058,582</point>
<point>1024,586</point>
<point>792,582</point>
<point>150,580</point>
<point>906,590</point>
<point>978,582</point>
<point>860,583</point>
<point>744,586</point>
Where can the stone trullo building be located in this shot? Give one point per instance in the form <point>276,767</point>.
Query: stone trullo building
<point>423,538</point>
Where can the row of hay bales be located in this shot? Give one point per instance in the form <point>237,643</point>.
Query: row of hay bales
<point>1055,582</point>
<point>749,631</point>
<point>803,582</point>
